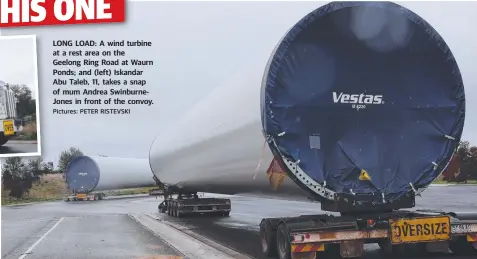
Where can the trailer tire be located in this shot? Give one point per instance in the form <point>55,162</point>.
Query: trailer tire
<point>173,209</point>
<point>162,208</point>
<point>394,250</point>
<point>178,211</point>
<point>283,242</point>
<point>460,246</point>
<point>268,238</point>
<point>3,140</point>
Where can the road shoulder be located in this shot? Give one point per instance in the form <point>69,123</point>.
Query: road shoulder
<point>192,246</point>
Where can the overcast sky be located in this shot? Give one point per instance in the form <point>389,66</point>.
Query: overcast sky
<point>197,46</point>
<point>17,62</point>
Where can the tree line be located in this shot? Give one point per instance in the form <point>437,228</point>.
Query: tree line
<point>19,174</point>
<point>463,166</point>
<point>26,105</point>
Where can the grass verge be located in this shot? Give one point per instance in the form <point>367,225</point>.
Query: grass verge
<point>28,132</point>
<point>49,188</point>
<point>132,191</point>
<point>52,187</point>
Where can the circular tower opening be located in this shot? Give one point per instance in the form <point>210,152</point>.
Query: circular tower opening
<point>82,174</point>
<point>365,97</point>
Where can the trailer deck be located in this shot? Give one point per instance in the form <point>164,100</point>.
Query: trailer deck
<point>84,197</point>
<point>309,235</point>
<point>192,206</point>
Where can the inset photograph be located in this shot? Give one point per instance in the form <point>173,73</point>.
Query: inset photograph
<point>19,108</point>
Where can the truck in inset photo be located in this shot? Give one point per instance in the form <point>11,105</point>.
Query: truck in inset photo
<point>19,108</point>
<point>8,113</point>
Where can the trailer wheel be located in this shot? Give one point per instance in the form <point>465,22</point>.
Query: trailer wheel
<point>162,207</point>
<point>389,249</point>
<point>3,140</point>
<point>460,246</point>
<point>173,209</point>
<point>268,238</point>
<point>283,242</point>
<point>178,210</point>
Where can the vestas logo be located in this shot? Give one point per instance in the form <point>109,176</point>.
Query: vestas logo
<point>358,101</point>
<point>82,174</point>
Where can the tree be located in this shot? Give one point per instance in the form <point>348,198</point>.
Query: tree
<point>16,177</point>
<point>48,168</point>
<point>468,162</point>
<point>38,167</point>
<point>25,104</point>
<point>66,156</point>
<point>473,163</point>
<point>35,165</point>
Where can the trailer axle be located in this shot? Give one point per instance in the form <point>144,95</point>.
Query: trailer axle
<point>309,236</point>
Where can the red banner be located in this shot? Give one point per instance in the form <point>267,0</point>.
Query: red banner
<point>16,13</point>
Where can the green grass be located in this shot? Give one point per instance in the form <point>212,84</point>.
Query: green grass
<point>133,191</point>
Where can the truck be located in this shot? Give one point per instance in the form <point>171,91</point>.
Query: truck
<point>359,118</point>
<point>87,177</point>
<point>8,113</point>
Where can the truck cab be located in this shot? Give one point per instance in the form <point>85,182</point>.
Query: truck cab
<point>8,113</point>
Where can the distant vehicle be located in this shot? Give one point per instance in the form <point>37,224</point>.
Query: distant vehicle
<point>8,113</point>
<point>89,176</point>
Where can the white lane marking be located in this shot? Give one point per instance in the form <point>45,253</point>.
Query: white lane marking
<point>30,249</point>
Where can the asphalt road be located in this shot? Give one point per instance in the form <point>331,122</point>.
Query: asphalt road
<point>102,229</point>
<point>96,230</point>
<point>18,147</point>
<point>240,231</point>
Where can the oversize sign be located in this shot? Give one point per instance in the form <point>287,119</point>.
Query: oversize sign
<point>420,230</point>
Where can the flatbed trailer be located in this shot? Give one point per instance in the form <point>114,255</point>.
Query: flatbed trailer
<point>85,196</point>
<point>396,232</point>
<point>191,204</point>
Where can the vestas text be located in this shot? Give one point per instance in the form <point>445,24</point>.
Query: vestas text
<point>358,101</point>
